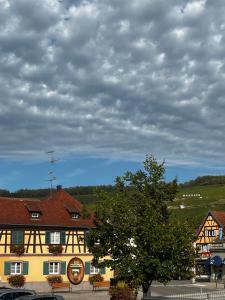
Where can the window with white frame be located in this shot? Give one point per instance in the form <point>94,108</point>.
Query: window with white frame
<point>75,216</point>
<point>54,267</point>
<point>94,270</point>
<point>34,215</point>
<point>210,232</point>
<point>15,268</point>
<point>55,237</point>
<point>203,247</point>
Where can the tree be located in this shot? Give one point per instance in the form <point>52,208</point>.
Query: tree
<point>134,235</point>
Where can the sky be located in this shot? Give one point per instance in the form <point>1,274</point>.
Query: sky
<point>105,82</point>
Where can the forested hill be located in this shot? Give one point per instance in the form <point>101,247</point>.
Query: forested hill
<point>205,180</point>
<point>91,190</point>
<point>86,194</point>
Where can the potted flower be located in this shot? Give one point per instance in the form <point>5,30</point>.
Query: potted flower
<point>16,281</point>
<point>17,249</point>
<point>121,292</point>
<point>117,293</point>
<point>55,249</point>
<point>95,278</point>
<point>54,279</point>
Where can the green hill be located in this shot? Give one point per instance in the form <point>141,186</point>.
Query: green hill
<point>193,203</point>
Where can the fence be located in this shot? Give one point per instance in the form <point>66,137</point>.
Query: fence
<point>218,295</point>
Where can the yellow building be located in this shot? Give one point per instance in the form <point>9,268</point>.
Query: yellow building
<point>46,237</point>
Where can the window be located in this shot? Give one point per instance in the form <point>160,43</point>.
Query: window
<point>20,294</point>
<point>210,232</point>
<point>35,215</point>
<point>75,216</point>
<point>55,237</point>
<point>15,268</point>
<point>7,296</point>
<point>203,247</point>
<point>54,267</point>
<point>94,270</point>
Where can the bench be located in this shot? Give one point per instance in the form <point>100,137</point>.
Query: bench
<point>61,285</point>
<point>101,284</point>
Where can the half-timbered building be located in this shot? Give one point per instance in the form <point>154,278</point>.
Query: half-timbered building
<point>45,237</point>
<point>209,235</point>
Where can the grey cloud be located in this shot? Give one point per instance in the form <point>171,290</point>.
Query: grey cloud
<point>113,78</point>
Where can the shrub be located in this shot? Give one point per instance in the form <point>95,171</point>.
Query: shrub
<point>95,278</point>
<point>55,249</point>
<point>124,293</point>
<point>54,279</point>
<point>16,280</point>
<point>17,249</point>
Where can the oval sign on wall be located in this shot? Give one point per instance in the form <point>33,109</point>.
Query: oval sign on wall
<point>75,270</point>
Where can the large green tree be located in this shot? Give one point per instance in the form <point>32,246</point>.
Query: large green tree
<point>134,234</point>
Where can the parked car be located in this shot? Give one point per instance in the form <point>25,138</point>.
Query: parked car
<point>41,297</point>
<point>12,294</point>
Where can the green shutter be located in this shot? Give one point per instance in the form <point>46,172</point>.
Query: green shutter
<point>7,268</point>
<point>87,267</point>
<point>19,237</point>
<point>25,267</point>
<point>63,268</point>
<point>13,237</point>
<point>16,237</point>
<point>102,271</point>
<point>86,233</point>
<point>62,237</point>
<point>47,237</point>
<point>45,268</point>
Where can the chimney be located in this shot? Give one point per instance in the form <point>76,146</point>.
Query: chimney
<point>58,187</point>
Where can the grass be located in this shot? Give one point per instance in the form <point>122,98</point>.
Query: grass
<point>86,199</point>
<point>195,208</point>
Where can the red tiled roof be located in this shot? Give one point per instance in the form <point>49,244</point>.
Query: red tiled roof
<point>219,216</point>
<point>71,209</point>
<point>14,211</point>
<point>33,207</point>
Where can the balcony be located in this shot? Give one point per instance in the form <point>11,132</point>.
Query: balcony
<point>217,246</point>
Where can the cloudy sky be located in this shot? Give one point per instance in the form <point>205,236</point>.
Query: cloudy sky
<point>104,82</point>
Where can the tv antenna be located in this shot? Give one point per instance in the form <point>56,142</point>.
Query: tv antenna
<point>52,161</point>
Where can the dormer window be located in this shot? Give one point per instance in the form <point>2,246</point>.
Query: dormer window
<point>73,212</point>
<point>75,216</point>
<point>35,215</point>
<point>34,209</point>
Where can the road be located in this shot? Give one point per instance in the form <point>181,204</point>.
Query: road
<point>184,287</point>
<point>173,288</point>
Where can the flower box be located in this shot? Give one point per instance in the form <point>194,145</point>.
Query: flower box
<point>55,249</point>
<point>17,249</point>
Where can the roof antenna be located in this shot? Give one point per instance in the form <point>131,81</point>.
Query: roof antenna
<point>52,161</point>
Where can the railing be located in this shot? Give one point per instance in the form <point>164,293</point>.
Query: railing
<point>216,246</point>
<point>219,295</point>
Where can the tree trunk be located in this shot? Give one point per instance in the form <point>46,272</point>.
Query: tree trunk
<point>146,290</point>
<point>146,287</point>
